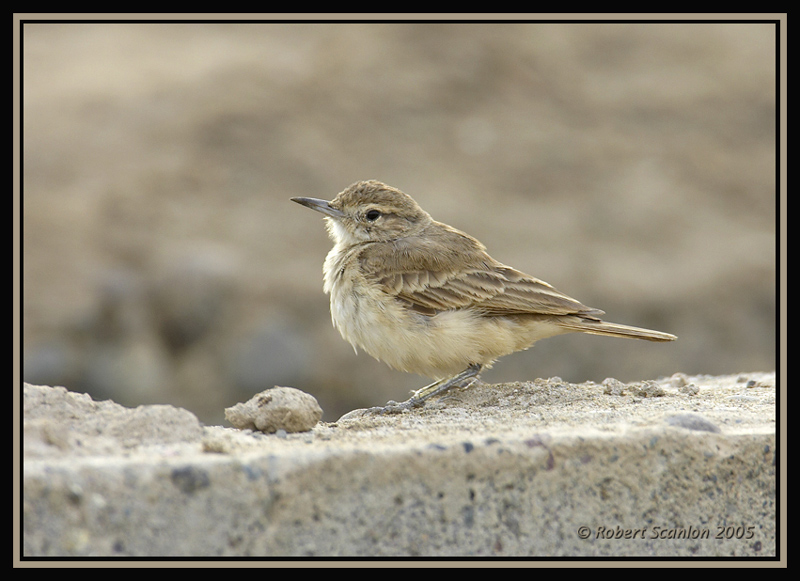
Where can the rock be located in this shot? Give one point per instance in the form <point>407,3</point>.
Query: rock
<point>514,470</point>
<point>59,422</point>
<point>279,408</point>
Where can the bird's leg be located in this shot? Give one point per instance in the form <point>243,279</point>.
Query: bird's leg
<point>463,379</point>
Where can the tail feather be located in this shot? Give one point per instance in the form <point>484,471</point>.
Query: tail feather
<point>596,327</point>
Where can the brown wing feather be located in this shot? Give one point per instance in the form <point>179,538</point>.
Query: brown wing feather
<point>493,292</point>
<point>430,283</point>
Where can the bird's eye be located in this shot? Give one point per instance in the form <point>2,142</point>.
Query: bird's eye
<point>373,215</point>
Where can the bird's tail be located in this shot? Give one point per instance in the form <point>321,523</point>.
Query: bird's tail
<point>597,327</point>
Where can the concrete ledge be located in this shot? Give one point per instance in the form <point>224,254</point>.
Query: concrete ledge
<point>683,466</point>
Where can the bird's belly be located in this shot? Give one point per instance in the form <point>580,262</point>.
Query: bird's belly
<point>433,346</point>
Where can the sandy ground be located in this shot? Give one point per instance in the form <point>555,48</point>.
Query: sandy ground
<point>60,424</point>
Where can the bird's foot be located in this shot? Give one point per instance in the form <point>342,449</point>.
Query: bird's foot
<point>419,397</point>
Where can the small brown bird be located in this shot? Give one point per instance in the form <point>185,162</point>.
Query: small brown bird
<point>426,298</point>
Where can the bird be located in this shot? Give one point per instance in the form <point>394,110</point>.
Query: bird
<point>426,298</point>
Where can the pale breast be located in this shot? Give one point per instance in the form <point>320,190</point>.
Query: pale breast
<point>437,346</point>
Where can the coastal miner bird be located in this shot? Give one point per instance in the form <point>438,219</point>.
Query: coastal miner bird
<point>426,298</point>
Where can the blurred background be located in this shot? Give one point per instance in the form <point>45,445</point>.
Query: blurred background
<point>632,166</point>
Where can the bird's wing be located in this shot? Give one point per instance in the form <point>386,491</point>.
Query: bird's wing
<point>430,284</point>
<point>494,291</point>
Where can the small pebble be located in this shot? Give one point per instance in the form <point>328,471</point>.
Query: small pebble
<point>281,409</point>
<point>693,422</point>
<point>613,386</point>
<point>678,379</point>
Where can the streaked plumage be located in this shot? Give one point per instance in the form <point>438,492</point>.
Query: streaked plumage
<point>427,298</point>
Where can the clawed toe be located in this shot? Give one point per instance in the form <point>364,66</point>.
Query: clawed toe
<point>463,380</point>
